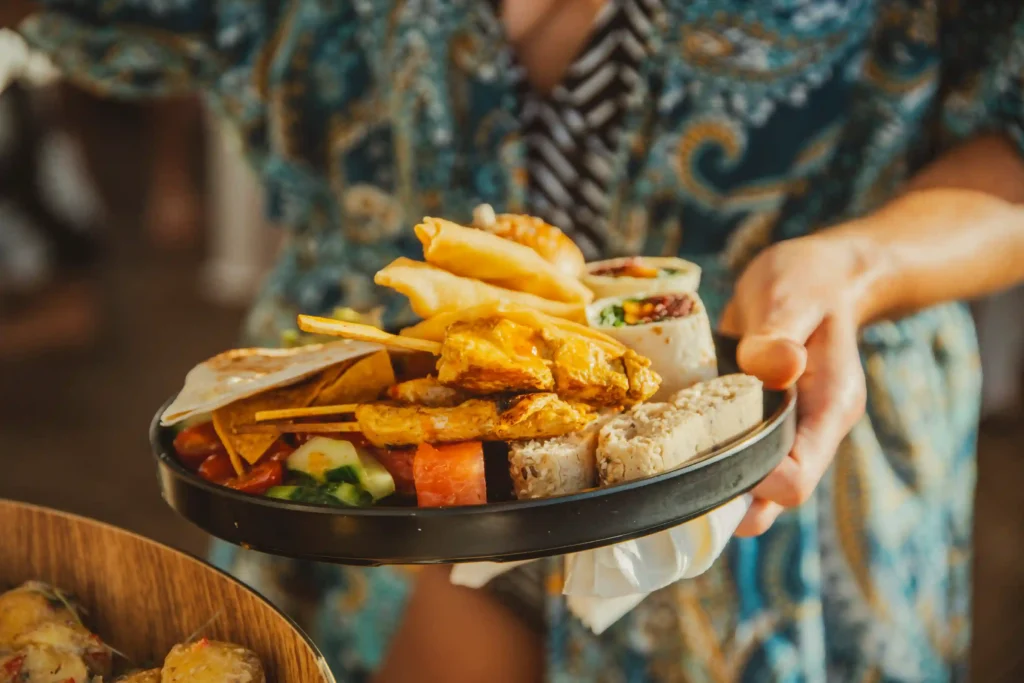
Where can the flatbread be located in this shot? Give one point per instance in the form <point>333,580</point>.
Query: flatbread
<point>240,373</point>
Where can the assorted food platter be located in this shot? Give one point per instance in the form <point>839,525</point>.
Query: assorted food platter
<point>504,531</point>
<point>520,419</point>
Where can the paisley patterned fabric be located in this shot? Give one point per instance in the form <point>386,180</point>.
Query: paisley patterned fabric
<point>753,122</point>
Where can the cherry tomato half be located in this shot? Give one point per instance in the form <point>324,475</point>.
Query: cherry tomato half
<point>217,468</point>
<point>259,479</point>
<point>279,451</point>
<point>196,443</point>
<point>398,462</point>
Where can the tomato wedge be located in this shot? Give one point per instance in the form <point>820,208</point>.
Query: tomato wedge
<point>259,479</point>
<point>279,451</point>
<point>196,443</point>
<point>217,468</point>
<point>450,474</point>
<point>398,462</point>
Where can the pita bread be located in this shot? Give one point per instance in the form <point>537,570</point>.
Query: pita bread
<point>240,373</point>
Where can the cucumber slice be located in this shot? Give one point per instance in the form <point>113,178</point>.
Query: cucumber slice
<point>337,461</point>
<point>282,492</point>
<point>330,494</point>
<point>352,495</point>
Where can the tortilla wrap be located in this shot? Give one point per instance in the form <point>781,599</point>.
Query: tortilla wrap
<point>682,350</point>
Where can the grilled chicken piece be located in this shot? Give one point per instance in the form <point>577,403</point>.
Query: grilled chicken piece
<point>209,661</point>
<point>643,381</point>
<point>587,373</point>
<point>531,416</point>
<point>495,355</point>
<point>426,391</point>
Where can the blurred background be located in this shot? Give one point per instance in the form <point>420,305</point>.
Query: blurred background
<point>133,240</point>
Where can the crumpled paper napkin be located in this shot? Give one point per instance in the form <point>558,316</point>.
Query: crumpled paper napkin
<point>603,584</point>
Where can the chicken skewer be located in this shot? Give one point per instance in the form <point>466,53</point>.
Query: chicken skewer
<point>529,416</point>
<point>499,355</point>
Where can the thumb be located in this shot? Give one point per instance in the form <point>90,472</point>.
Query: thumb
<point>772,348</point>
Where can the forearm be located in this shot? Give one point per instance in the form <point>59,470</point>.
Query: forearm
<point>956,233</point>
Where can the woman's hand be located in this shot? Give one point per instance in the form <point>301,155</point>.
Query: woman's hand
<point>796,309</point>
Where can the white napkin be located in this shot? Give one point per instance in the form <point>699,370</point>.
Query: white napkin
<point>603,584</point>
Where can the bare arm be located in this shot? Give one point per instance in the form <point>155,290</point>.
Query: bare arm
<point>956,233</point>
<point>451,634</point>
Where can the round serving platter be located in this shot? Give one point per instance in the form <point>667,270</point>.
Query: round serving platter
<point>496,532</point>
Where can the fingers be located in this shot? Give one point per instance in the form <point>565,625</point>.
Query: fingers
<point>831,401</point>
<point>773,333</point>
<point>776,361</point>
<point>759,518</point>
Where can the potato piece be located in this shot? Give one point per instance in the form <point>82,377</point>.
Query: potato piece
<point>43,664</point>
<point>30,605</point>
<point>72,638</point>
<point>210,661</point>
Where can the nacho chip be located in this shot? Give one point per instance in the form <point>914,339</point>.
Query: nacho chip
<point>251,447</point>
<point>220,425</point>
<point>363,382</point>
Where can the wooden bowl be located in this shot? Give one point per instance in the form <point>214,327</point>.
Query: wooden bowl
<point>144,597</point>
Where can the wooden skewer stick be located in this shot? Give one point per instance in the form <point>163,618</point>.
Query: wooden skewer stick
<point>368,333</point>
<point>312,411</point>
<point>307,428</point>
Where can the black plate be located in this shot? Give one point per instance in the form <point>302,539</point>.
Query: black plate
<point>517,530</point>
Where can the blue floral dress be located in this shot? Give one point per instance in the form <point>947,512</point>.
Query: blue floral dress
<point>752,122</point>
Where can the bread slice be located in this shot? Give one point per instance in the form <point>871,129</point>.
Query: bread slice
<point>731,406</point>
<point>657,437</point>
<point>651,438</point>
<point>542,468</point>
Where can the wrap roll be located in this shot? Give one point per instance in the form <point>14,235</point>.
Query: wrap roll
<point>671,329</point>
<point>641,275</point>
<point>432,291</point>
<point>502,262</point>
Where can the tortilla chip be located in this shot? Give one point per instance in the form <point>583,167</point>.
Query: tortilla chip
<point>251,447</point>
<point>224,432</point>
<point>363,382</point>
